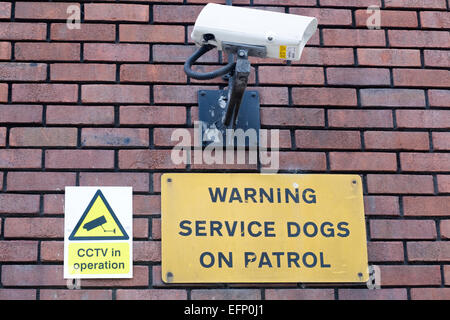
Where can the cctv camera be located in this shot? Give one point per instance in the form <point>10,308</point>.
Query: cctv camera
<point>282,35</point>
<point>242,32</point>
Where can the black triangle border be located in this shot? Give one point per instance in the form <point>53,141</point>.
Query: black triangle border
<point>111,211</point>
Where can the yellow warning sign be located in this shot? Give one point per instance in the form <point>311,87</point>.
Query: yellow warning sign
<point>98,222</point>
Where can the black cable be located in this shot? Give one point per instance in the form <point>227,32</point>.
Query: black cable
<point>208,75</point>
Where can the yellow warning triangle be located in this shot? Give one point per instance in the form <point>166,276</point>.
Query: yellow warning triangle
<point>98,222</point>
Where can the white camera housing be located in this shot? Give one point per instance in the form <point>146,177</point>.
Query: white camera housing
<point>283,35</point>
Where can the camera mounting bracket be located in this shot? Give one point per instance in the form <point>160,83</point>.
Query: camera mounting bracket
<point>235,108</point>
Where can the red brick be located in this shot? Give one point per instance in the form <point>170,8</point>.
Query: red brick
<point>52,251</point>
<point>430,293</point>
<point>151,294</point>
<point>116,52</point>
<point>146,205</point>
<point>425,161</point>
<point>421,78</point>
<point>392,97</point>
<point>436,58</point>
<point>402,229</point>
<point>22,71</point>
<point>429,4</point>
<point>116,12</point>
<point>363,161</point>
<point>426,206</point>
<point>422,118</point>
<point>445,229</point>
<point>39,181</point>
<point>5,10</point>
<point>389,18</point>
<point>140,279</point>
<point>156,229</point>
<point>324,96</point>
<point>299,294</point>
<point>225,294</point>
<point>399,183</point>
<point>291,75</point>
<point>17,294</point>
<point>2,139</point>
<point>82,72</point>
<point>389,57</point>
<point>18,250</point>
<point>406,275</point>
<point>240,161</point>
<point>353,37</point>
<point>147,159</point>
<point>87,32</point>
<point>147,251</point>
<point>335,17</point>
<point>292,117</point>
<point>270,2</point>
<point>418,38</point>
<point>79,159</point>
<point>19,203</point>
<point>152,33</point>
<point>20,113</point>
<point>152,73</point>
<point>381,205</point>
<point>447,274</point>
<point>434,19</point>
<point>439,98</point>
<point>49,137</point>
<point>5,50</point>
<point>443,183</point>
<point>330,139</point>
<point>383,251</point>
<point>367,294</point>
<point>358,76</point>
<point>428,251</point>
<point>351,3</point>
<point>44,92</point>
<point>20,158</point>
<point>441,140</point>
<point>32,275</point>
<point>396,140</point>
<point>34,227</point>
<point>178,14</point>
<point>53,204</point>
<point>163,137</point>
<point>47,51</point>
<point>3,92</point>
<point>141,229</point>
<point>360,118</point>
<point>178,53</point>
<point>23,31</point>
<point>178,94</point>
<point>272,95</point>
<point>75,115</point>
<point>310,161</point>
<point>152,115</point>
<point>326,56</point>
<point>79,294</point>
<point>42,11</point>
<point>124,137</point>
<point>115,93</point>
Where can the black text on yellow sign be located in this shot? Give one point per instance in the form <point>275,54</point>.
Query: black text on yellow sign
<point>263,228</point>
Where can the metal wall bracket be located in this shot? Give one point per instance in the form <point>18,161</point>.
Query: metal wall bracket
<point>212,111</point>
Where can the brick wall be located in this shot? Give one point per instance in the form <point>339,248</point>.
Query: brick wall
<point>96,106</point>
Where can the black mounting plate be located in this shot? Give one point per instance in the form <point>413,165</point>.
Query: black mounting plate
<point>212,109</point>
